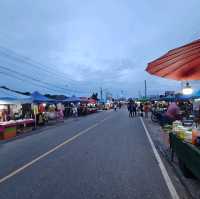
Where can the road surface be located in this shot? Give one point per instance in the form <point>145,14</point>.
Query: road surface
<point>105,155</point>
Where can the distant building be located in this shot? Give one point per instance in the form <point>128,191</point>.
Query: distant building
<point>169,93</point>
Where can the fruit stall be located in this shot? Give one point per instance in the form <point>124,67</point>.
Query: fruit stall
<point>185,143</point>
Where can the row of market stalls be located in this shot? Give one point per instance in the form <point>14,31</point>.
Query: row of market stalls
<point>20,113</point>
<point>183,64</point>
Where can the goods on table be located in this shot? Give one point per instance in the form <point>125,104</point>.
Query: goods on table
<point>183,133</point>
<point>10,129</point>
<point>195,136</point>
<point>7,130</point>
<point>167,128</point>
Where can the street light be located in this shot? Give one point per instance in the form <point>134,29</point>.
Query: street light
<point>187,90</point>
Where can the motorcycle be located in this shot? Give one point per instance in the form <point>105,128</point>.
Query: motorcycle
<point>156,115</point>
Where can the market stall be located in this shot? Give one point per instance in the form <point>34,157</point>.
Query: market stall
<point>41,106</point>
<point>182,64</point>
<point>8,130</point>
<point>92,105</point>
<point>15,116</point>
<point>184,141</point>
<point>79,102</point>
<point>188,156</point>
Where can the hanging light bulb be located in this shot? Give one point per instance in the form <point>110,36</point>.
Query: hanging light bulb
<point>187,90</point>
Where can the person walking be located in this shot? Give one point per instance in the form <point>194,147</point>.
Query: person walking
<point>134,109</point>
<point>141,110</point>
<point>115,107</point>
<point>75,111</point>
<point>146,110</point>
<point>130,109</point>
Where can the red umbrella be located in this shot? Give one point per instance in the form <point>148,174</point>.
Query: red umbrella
<point>181,63</point>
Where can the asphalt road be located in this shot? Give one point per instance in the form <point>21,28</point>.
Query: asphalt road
<point>105,155</point>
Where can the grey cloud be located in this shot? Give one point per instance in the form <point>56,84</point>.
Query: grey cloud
<point>97,43</point>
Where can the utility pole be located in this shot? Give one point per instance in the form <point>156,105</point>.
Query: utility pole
<point>101,94</point>
<point>145,88</point>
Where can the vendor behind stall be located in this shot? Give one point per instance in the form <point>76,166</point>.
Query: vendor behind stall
<point>172,114</point>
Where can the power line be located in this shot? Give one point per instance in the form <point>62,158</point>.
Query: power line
<point>7,93</point>
<point>10,53</point>
<point>21,79</point>
<point>36,80</point>
<point>31,63</point>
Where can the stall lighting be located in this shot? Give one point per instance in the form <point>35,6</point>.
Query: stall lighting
<point>44,104</point>
<point>187,90</point>
<point>2,107</point>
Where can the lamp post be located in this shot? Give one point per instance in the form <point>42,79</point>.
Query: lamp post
<point>187,90</point>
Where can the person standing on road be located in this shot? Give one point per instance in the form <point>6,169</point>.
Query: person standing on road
<point>134,109</point>
<point>146,110</point>
<point>130,109</point>
<point>75,111</point>
<point>115,107</point>
<point>141,109</point>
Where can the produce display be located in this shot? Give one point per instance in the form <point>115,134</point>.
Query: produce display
<point>189,134</point>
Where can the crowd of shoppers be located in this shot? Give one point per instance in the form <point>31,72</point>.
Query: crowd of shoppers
<point>141,109</point>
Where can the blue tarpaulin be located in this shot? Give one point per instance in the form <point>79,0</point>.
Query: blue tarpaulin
<point>189,97</point>
<point>10,97</point>
<point>185,97</point>
<point>197,94</point>
<point>74,99</point>
<point>168,98</point>
<point>39,98</point>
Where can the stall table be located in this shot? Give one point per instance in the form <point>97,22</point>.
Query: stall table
<point>188,155</point>
<point>9,129</point>
<point>25,125</point>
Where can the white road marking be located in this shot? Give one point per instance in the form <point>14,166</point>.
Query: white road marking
<point>15,172</point>
<point>167,179</point>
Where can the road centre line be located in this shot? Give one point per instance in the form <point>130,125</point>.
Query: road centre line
<point>164,172</point>
<point>15,172</point>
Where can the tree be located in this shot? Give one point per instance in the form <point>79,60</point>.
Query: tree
<point>95,96</point>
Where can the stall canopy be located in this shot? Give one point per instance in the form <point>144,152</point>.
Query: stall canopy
<point>39,98</point>
<point>74,99</point>
<point>184,97</point>
<point>196,94</point>
<point>168,98</point>
<point>9,97</point>
<point>182,63</point>
<point>92,101</point>
<point>189,97</point>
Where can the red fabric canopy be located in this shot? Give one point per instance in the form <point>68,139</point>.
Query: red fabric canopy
<point>182,63</point>
<point>92,101</point>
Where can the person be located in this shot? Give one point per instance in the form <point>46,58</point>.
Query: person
<point>134,109</point>
<point>130,109</point>
<point>141,109</point>
<point>172,114</point>
<point>146,110</point>
<point>60,115</point>
<point>115,107</point>
<point>75,111</point>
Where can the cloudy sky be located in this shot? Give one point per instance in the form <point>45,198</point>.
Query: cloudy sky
<point>76,46</point>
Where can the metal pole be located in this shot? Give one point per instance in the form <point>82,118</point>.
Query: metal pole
<point>101,93</point>
<point>145,88</point>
